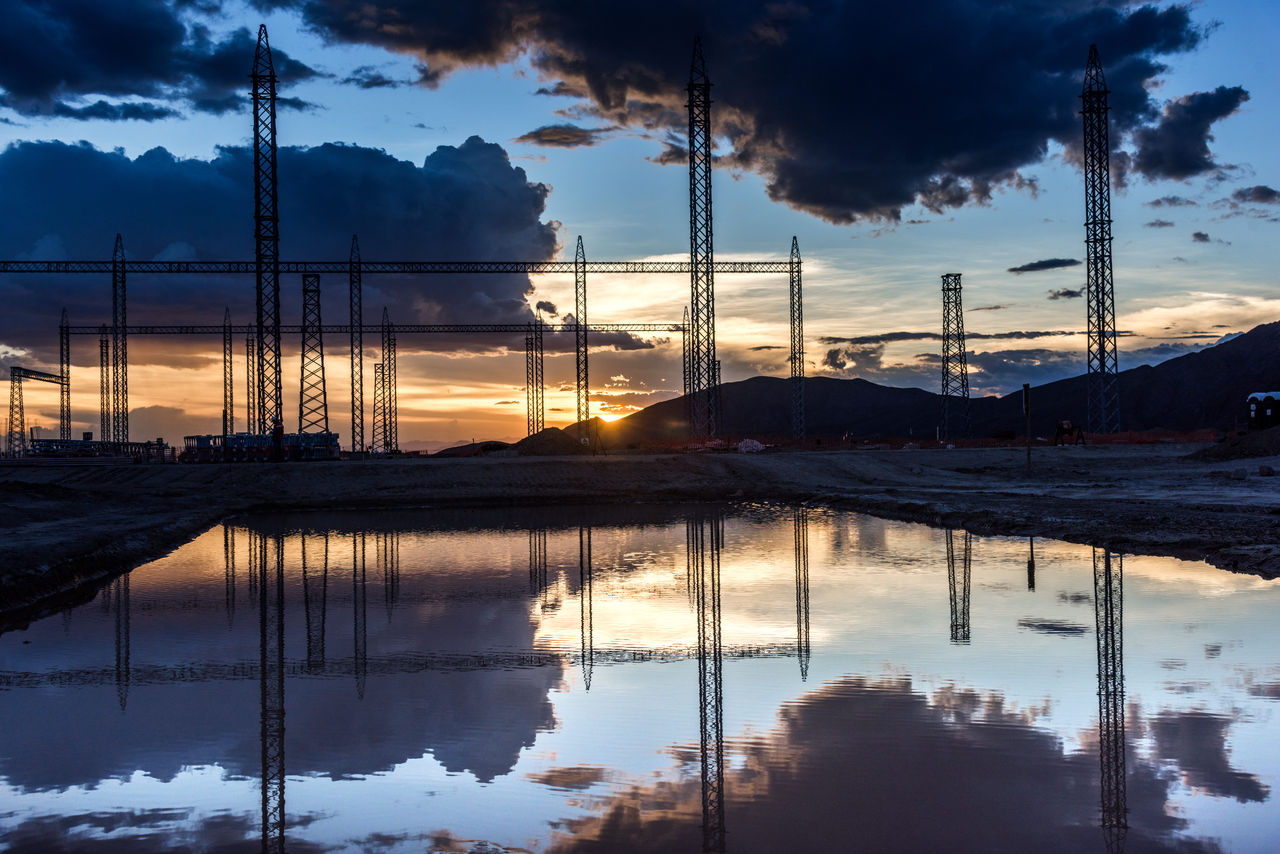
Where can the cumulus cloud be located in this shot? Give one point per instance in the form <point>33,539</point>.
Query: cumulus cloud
<point>54,56</point>
<point>1178,145</point>
<point>467,201</point>
<point>1259,195</point>
<point>628,64</point>
<point>1046,264</point>
<point>1200,237</point>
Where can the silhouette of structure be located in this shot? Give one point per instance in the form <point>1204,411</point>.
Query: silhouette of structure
<point>584,603</point>
<point>801,520</point>
<point>706,537</point>
<point>955,367</point>
<point>313,405</point>
<point>315,596</point>
<point>534,383</point>
<point>959,583</point>
<point>1108,604</point>
<point>797,344</point>
<point>702,301</point>
<point>104,386</point>
<point>389,556</point>
<point>538,560</point>
<point>1103,361</point>
<point>391,429</point>
<point>229,570</point>
<point>64,371</point>
<point>360,613</point>
<point>1031,564</point>
<point>379,410</point>
<point>271,676</point>
<point>119,347</point>
<point>16,442</point>
<point>251,385</point>
<point>266,217</point>
<point>228,378</point>
<point>580,334</point>
<point>355,290</point>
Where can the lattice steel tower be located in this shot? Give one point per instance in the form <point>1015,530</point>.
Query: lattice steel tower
<point>313,405</point>
<point>580,333</point>
<point>119,347</point>
<point>391,423</point>
<point>266,218</point>
<point>1103,362</point>
<point>228,377</point>
<point>64,370</point>
<point>356,296</point>
<point>105,422</point>
<point>955,367</point>
<point>797,344</point>
<point>534,384</point>
<point>702,357</point>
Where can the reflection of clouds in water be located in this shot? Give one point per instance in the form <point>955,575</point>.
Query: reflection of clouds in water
<point>1197,742</point>
<point>143,832</point>
<point>1052,627</point>
<point>885,765</point>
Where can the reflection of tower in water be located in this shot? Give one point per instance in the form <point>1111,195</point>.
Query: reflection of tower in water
<point>959,584</point>
<point>315,596</point>
<point>120,593</point>
<point>584,601</point>
<point>802,589</point>
<point>1031,564</point>
<point>359,609</point>
<point>271,645</point>
<point>229,570</point>
<point>538,561</point>
<point>705,538</point>
<point>389,556</point>
<point>1108,604</point>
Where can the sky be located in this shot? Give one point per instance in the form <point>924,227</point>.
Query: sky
<point>896,144</point>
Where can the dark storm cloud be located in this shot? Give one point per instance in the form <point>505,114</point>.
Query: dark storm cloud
<point>461,202</point>
<point>1178,146</point>
<point>53,55</point>
<point>1158,223</point>
<point>144,112</point>
<point>1199,237</point>
<point>1260,195</point>
<point>842,129</point>
<point>564,136</point>
<point>1066,293</point>
<point>1045,264</point>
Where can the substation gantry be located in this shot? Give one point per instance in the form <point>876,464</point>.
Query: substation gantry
<point>264,406</point>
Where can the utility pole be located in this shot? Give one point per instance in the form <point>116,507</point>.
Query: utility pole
<point>1103,361</point>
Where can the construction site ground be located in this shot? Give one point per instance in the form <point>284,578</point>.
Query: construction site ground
<point>69,525</point>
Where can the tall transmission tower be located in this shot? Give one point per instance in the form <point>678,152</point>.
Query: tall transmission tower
<point>797,344</point>
<point>266,217</point>
<point>580,333</point>
<point>64,370</point>
<point>119,346</point>
<point>379,445</point>
<point>534,384</point>
<point>313,405</point>
<point>1103,361</point>
<point>16,441</point>
<point>106,424</point>
<point>955,367</point>
<point>391,415</point>
<point>356,291</point>
<point>252,425</point>
<point>702,359</point>
<point>228,378</point>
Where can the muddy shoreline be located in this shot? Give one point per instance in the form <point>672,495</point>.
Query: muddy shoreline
<point>68,527</point>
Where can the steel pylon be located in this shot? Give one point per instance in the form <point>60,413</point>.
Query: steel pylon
<point>702,360</point>
<point>252,424</point>
<point>580,334</point>
<point>356,299</point>
<point>534,382</point>
<point>1102,358</point>
<point>119,346</point>
<point>391,417</point>
<point>106,424</point>
<point>64,370</point>
<point>266,219</point>
<point>313,404</point>
<point>955,365</point>
<point>228,378</point>
<point>797,343</point>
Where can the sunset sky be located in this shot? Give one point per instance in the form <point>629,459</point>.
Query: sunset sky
<point>896,143</point>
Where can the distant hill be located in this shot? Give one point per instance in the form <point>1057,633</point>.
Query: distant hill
<point>1198,390</point>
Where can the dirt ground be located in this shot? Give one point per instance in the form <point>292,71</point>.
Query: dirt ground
<point>65,526</point>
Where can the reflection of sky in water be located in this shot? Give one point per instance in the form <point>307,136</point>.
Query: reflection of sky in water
<point>898,738</point>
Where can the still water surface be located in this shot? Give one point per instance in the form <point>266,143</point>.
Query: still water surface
<point>746,679</point>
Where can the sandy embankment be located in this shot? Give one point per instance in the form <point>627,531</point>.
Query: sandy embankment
<point>66,525</point>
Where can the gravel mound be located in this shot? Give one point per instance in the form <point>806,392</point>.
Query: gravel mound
<point>1259,443</point>
<point>548,443</point>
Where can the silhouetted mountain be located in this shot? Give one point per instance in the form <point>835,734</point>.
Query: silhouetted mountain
<point>1202,389</point>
